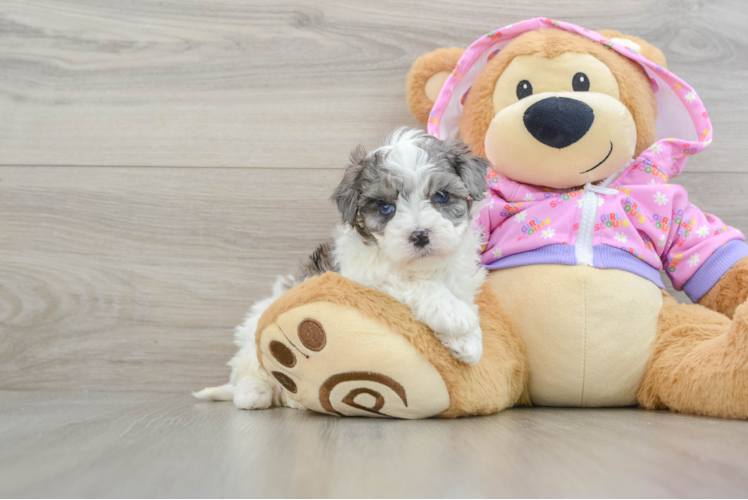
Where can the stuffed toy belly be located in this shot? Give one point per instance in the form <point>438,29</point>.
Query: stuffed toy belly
<point>586,344</point>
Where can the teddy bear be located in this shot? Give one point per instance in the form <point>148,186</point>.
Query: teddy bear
<point>584,131</point>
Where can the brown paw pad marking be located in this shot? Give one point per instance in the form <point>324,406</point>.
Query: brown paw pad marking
<point>285,381</point>
<point>349,399</point>
<point>312,335</point>
<point>377,378</point>
<point>282,354</point>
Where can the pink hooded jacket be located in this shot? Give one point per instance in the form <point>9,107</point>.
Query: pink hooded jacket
<point>634,220</point>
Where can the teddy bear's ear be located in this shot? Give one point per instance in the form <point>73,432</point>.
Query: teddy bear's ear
<point>426,78</point>
<point>642,46</point>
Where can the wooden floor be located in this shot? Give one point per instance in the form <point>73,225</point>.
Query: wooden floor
<point>161,161</point>
<point>77,444</point>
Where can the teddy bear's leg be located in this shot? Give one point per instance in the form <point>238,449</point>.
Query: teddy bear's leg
<point>339,348</point>
<point>699,362</point>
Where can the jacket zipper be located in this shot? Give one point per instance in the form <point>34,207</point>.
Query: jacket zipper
<point>583,249</point>
<point>586,228</point>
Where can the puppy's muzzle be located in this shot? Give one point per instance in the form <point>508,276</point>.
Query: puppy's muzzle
<point>558,121</point>
<point>420,238</point>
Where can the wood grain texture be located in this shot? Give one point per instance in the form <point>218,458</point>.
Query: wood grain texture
<point>133,278</point>
<point>110,275</point>
<point>166,445</point>
<point>295,84</point>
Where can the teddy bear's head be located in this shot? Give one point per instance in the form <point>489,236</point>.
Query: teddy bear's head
<point>552,108</point>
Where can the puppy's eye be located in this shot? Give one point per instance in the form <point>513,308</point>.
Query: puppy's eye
<point>386,209</point>
<point>441,197</point>
<point>580,83</point>
<point>524,89</point>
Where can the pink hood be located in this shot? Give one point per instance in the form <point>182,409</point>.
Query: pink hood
<point>635,220</point>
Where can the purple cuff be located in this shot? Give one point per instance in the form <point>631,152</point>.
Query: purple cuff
<point>549,254</point>
<point>608,257</point>
<point>604,257</point>
<point>714,268</point>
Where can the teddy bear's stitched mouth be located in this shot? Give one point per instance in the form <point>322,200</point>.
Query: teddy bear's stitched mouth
<point>606,157</point>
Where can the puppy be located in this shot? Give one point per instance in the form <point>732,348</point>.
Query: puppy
<point>407,210</point>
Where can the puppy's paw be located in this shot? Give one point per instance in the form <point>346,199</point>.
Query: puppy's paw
<point>291,403</point>
<point>453,319</point>
<point>466,348</point>
<point>253,394</point>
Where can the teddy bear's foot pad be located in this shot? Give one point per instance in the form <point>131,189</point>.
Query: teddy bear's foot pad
<point>332,359</point>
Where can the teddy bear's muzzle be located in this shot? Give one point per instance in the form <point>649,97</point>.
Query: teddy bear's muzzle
<point>558,122</point>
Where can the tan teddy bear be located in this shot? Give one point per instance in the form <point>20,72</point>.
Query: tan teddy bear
<point>584,131</point>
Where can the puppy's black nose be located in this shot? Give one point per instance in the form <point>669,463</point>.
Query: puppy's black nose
<point>558,121</point>
<point>420,238</point>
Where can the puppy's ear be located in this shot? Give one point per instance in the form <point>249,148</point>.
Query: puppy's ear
<point>638,44</point>
<point>426,79</point>
<point>346,194</point>
<point>472,169</point>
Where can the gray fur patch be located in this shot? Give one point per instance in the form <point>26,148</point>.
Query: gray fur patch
<point>470,168</point>
<point>319,262</point>
<point>347,193</point>
<point>380,186</point>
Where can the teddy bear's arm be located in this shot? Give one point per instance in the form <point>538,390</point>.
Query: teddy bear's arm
<point>730,291</point>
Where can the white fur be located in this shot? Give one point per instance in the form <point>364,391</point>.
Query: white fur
<point>442,294</point>
<point>439,283</point>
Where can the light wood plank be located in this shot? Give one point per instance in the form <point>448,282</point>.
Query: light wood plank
<point>133,278</point>
<point>160,445</point>
<point>293,85</point>
<point>107,273</point>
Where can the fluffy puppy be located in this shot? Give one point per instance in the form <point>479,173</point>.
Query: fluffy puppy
<point>407,210</point>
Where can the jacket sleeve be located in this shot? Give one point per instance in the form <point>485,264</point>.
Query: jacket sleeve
<point>497,208</point>
<point>494,212</point>
<point>700,248</point>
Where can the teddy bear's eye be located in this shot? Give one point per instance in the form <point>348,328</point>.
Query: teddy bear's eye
<point>524,89</point>
<point>580,83</point>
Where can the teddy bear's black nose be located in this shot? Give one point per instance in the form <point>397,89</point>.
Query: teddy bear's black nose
<point>558,121</point>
